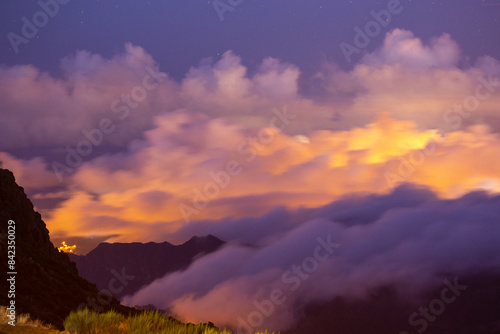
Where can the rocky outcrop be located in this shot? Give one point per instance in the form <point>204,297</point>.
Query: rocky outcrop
<point>47,284</point>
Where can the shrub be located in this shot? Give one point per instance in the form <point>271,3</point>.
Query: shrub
<point>24,320</point>
<point>87,322</point>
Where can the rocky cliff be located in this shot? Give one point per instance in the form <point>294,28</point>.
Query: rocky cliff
<point>47,284</point>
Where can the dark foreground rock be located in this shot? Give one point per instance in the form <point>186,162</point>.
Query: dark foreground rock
<point>47,284</point>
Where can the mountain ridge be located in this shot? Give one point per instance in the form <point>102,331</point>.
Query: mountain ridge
<point>143,261</point>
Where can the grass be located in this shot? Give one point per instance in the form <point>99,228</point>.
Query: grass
<point>88,322</point>
<point>24,324</point>
<point>85,321</point>
<point>148,322</point>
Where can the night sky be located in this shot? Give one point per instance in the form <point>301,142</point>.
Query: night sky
<point>179,34</point>
<point>264,123</point>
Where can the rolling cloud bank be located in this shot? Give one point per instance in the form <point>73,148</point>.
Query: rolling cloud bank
<point>408,239</point>
<point>323,187</point>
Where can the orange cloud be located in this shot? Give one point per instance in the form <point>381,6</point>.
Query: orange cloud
<point>168,173</point>
<point>210,146</point>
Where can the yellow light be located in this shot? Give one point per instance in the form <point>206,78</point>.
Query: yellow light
<point>65,248</point>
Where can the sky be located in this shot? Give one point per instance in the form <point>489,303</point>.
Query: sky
<point>264,123</point>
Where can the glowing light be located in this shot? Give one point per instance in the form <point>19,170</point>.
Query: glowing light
<point>65,248</point>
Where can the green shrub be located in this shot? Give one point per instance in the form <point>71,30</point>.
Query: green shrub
<point>88,322</point>
<point>149,322</point>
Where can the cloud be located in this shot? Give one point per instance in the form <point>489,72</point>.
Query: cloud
<point>249,156</point>
<point>33,174</point>
<point>409,238</point>
<point>39,110</point>
<point>402,47</point>
<point>412,80</point>
<point>406,77</point>
<point>176,181</point>
<point>179,149</point>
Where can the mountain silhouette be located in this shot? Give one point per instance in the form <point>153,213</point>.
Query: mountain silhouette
<point>145,262</point>
<point>47,284</point>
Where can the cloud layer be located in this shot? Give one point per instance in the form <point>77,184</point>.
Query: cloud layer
<point>405,77</point>
<point>226,142</point>
<point>255,156</point>
<point>191,168</point>
<point>408,238</point>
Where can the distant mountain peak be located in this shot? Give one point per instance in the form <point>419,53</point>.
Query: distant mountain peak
<point>144,261</point>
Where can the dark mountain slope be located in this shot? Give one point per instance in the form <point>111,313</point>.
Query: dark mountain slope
<point>47,285</point>
<point>476,310</point>
<point>145,262</point>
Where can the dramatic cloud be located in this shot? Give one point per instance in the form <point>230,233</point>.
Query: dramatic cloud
<point>191,168</point>
<point>402,47</point>
<point>405,77</point>
<point>411,80</point>
<point>34,174</point>
<point>39,110</point>
<point>408,238</point>
<point>254,157</point>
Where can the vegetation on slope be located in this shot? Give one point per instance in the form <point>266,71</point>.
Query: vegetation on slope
<point>88,322</point>
<point>148,322</point>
